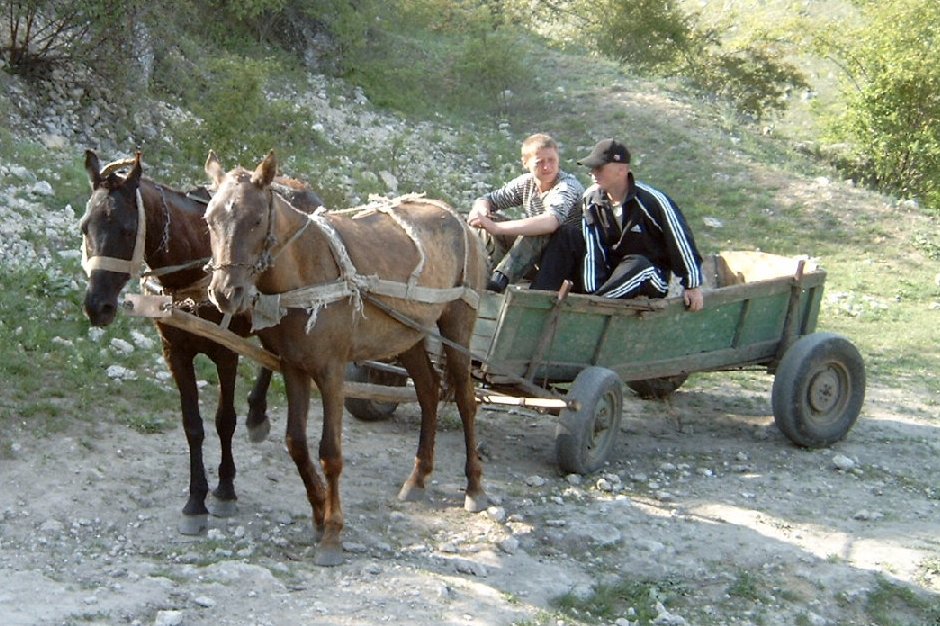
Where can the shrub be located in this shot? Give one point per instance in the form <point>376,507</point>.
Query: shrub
<point>892,82</point>
<point>41,33</point>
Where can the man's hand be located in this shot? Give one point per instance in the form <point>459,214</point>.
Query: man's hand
<point>694,299</point>
<point>480,209</point>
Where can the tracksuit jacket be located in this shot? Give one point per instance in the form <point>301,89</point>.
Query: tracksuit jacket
<point>652,226</point>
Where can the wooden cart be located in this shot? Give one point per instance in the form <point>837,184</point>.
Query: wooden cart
<point>573,353</point>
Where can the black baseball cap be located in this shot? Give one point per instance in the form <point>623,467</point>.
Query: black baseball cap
<point>606,151</point>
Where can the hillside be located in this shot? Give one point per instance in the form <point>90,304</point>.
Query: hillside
<point>707,516</point>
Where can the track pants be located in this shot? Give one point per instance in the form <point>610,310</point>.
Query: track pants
<point>563,258</point>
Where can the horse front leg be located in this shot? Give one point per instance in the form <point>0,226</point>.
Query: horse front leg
<point>224,494</point>
<point>297,386</point>
<point>330,380</point>
<point>259,426</point>
<point>427,387</point>
<point>457,363</point>
<point>195,517</point>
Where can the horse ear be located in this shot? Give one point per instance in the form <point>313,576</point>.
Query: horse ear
<point>266,171</point>
<point>93,167</point>
<point>214,168</point>
<point>136,171</point>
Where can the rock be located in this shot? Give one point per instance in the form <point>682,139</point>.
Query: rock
<point>496,513</point>
<point>52,527</point>
<point>535,481</point>
<point>54,141</point>
<point>842,462</point>
<point>42,188</point>
<point>168,618</point>
<point>391,182</point>
<point>665,618</point>
<point>119,345</point>
<point>116,372</point>
<point>509,545</point>
<point>465,566</point>
<point>141,340</point>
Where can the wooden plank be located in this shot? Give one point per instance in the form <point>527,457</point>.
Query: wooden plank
<point>245,347</point>
<point>222,336</point>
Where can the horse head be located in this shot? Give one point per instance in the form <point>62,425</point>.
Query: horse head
<point>111,237</point>
<point>240,219</point>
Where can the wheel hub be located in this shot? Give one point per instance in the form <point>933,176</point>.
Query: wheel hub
<point>824,391</point>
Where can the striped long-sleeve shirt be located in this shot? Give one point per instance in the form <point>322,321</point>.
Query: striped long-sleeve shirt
<point>562,200</point>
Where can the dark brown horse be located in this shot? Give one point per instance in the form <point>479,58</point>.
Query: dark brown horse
<point>173,241</point>
<point>349,288</point>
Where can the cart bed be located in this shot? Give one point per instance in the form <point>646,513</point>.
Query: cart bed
<point>754,302</point>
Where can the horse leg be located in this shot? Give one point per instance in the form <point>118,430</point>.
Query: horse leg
<point>330,379</point>
<point>224,494</point>
<point>195,514</point>
<point>456,327</point>
<point>259,426</point>
<point>297,386</point>
<point>427,387</point>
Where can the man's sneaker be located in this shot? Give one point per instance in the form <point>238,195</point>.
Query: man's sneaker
<point>497,282</point>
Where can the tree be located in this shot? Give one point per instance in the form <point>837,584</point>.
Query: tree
<point>39,33</point>
<point>892,90</point>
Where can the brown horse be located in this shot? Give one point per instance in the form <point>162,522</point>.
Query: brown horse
<point>327,271</point>
<point>173,241</point>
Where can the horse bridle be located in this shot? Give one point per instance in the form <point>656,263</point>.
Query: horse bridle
<point>114,264</point>
<point>270,251</point>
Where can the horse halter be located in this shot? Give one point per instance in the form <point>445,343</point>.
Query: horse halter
<point>113,264</point>
<point>270,251</point>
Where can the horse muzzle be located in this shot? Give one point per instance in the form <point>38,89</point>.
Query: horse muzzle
<point>229,297</point>
<point>101,296</point>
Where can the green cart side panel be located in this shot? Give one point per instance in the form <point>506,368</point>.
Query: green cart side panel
<point>741,324</point>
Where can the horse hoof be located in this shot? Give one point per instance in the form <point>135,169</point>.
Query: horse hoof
<point>193,524</point>
<point>410,493</point>
<point>223,508</point>
<point>328,556</point>
<point>259,432</point>
<point>475,504</point>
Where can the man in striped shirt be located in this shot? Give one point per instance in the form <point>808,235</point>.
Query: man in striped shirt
<point>548,197</point>
<point>631,236</point>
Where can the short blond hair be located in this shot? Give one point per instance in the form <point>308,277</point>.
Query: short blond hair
<point>534,143</point>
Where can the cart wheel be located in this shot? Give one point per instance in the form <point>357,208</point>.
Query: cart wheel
<point>657,388</point>
<point>372,410</point>
<point>818,389</point>
<point>585,437</point>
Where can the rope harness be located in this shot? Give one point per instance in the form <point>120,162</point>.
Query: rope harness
<point>268,309</point>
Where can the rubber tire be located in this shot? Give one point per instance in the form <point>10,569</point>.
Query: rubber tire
<point>586,437</point>
<point>818,390</point>
<point>657,388</point>
<point>372,410</point>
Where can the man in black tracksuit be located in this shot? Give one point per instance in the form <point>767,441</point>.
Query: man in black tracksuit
<point>631,236</point>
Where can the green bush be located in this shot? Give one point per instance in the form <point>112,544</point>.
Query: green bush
<point>752,77</point>
<point>426,57</point>
<point>661,38</point>
<point>238,117</point>
<point>892,82</point>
